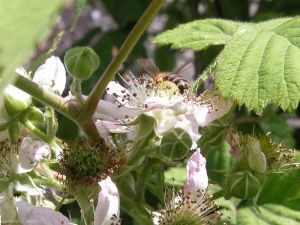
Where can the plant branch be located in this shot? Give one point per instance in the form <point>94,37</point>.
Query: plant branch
<point>69,108</point>
<point>123,53</point>
<point>43,95</point>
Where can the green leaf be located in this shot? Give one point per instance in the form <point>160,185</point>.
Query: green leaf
<point>219,161</point>
<point>176,143</point>
<point>282,188</point>
<point>145,127</point>
<point>269,214</point>
<point>213,134</point>
<point>260,65</point>
<point>23,24</point>
<point>199,35</point>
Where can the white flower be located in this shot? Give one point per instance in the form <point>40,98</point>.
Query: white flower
<point>107,211</point>
<point>51,75</point>
<point>21,158</point>
<point>161,101</point>
<point>33,215</point>
<point>30,153</point>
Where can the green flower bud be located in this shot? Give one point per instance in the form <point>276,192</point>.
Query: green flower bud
<point>81,62</point>
<point>36,117</point>
<point>243,185</point>
<point>176,144</point>
<point>15,100</point>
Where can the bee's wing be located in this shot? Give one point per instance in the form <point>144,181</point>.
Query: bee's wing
<point>148,66</point>
<point>181,67</point>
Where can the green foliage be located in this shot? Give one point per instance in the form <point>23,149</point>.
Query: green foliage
<point>269,214</point>
<point>23,24</point>
<point>279,130</point>
<point>175,175</point>
<point>199,35</point>
<point>219,161</point>
<point>259,63</point>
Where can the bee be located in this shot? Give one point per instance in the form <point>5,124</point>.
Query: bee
<point>152,70</point>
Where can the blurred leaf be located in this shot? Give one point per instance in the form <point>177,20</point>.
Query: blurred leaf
<point>264,66</point>
<point>127,12</point>
<point>235,9</point>
<point>175,175</point>
<point>280,130</point>
<point>164,63</point>
<point>218,162</point>
<point>269,214</point>
<point>282,188</point>
<point>199,35</point>
<point>214,133</point>
<point>23,24</point>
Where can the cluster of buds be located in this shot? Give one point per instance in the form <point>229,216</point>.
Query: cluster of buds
<point>256,156</point>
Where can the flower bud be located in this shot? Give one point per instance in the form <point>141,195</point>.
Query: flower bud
<point>197,179</point>
<point>81,62</point>
<point>36,117</point>
<point>176,144</point>
<point>243,185</point>
<point>15,100</point>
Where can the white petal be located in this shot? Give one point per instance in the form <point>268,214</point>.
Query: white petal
<point>33,215</point>
<point>197,178</point>
<point>205,116</point>
<point>108,205</point>
<point>110,111</point>
<point>52,75</point>
<point>30,153</point>
<point>118,91</point>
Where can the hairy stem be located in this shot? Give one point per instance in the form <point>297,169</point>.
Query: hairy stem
<point>123,53</point>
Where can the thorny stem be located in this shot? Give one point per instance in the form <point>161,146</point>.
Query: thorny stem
<point>123,53</point>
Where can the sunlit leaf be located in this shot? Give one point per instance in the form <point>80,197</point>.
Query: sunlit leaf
<point>23,24</point>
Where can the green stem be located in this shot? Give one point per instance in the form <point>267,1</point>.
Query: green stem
<point>43,95</point>
<point>68,108</point>
<point>123,53</point>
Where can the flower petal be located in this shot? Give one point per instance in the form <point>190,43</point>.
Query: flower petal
<point>52,75</point>
<point>197,179</point>
<point>108,206</point>
<point>30,153</point>
<point>33,215</point>
<point>109,111</point>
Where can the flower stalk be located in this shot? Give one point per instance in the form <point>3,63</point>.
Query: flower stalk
<point>124,51</point>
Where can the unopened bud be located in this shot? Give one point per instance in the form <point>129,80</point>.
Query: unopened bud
<point>36,117</point>
<point>243,185</point>
<point>81,62</point>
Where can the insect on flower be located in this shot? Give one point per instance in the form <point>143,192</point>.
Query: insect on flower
<point>152,70</point>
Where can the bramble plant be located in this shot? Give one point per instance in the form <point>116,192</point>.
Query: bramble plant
<point>148,152</point>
